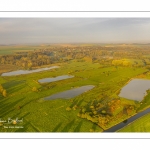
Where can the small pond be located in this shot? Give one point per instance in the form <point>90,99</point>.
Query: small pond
<point>135,89</point>
<point>58,78</point>
<point>70,93</point>
<point>19,72</point>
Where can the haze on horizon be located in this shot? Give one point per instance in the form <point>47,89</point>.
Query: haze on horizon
<point>74,30</point>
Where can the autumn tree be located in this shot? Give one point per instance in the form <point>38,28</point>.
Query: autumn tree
<point>4,93</point>
<point>34,89</point>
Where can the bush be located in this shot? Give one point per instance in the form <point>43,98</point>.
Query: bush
<point>83,110</point>
<point>103,111</point>
<point>91,130</point>
<point>18,107</point>
<point>95,112</point>
<point>4,93</point>
<point>34,89</point>
<point>79,115</point>
<point>68,108</point>
<point>74,107</point>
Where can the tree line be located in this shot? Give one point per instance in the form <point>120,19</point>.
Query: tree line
<point>96,54</point>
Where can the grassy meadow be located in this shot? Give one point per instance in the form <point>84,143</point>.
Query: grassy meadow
<point>51,115</point>
<point>140,125</point>
<point>11,49</point>
<point>107,67</point>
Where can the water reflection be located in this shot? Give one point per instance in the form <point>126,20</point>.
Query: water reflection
<point>19,72</point>
<point>70,93</point>
<point>45,80</point>
<point>135,89</point>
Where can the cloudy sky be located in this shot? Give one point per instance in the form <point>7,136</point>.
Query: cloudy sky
<point>74,30</point>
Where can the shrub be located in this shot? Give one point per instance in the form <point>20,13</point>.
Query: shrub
<point>79,115</point>
<point>91,130</point>
<point>68,108</point>
<point>4,93</point>
<point>34,89</point>
<point>103,111</point>
<point>74,107</point>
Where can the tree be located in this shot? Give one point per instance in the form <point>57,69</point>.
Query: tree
<point>126,63</point>
<point>34,89</point>
<point>4,93</point>
<point>30,65</point>
<point>68,108</point>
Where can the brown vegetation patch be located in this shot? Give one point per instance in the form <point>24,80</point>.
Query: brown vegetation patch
<point>7,68</point>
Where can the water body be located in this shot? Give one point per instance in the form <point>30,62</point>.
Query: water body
<point>70,93</point>
<point>126,122</point>
<point>135,89</point>
<point>58,78</point>
<point>20,72</point>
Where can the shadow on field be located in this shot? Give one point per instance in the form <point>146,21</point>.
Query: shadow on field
<point>35,129</point>
<point>25,104</point>
<point>14,86</point>
<point>68,126</point>
<point>1,97</point>
<point>57,127</point>
<point>25,126</point>
<point>94,127</point>
<point>77,129</point>
<point>6,108</point>
<point>16,89</point>
<point>12,83</point>
<point>76,102</point>
<point>79,102</point>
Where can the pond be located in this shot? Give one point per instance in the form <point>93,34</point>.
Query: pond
<point>70,93</point>
<point>58,78</point>
<point>135,89</point>
<point>19,72</point>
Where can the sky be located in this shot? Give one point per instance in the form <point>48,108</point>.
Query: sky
<point>74,30</point>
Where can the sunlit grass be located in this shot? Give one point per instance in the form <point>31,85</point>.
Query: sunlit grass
<point>140,125</point>
<point>51,116</point>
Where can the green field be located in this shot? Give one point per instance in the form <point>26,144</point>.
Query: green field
<point>140,125</point>
<point>51,116</point>
<point>107,67</point>
<point>7,50</point>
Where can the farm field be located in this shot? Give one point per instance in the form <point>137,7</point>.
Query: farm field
<point>140,125</point>
<point>7,50</point>
<point>93,111</point>
<point>21,94</point>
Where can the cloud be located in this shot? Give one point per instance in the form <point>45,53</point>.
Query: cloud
<point>32,30</point>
